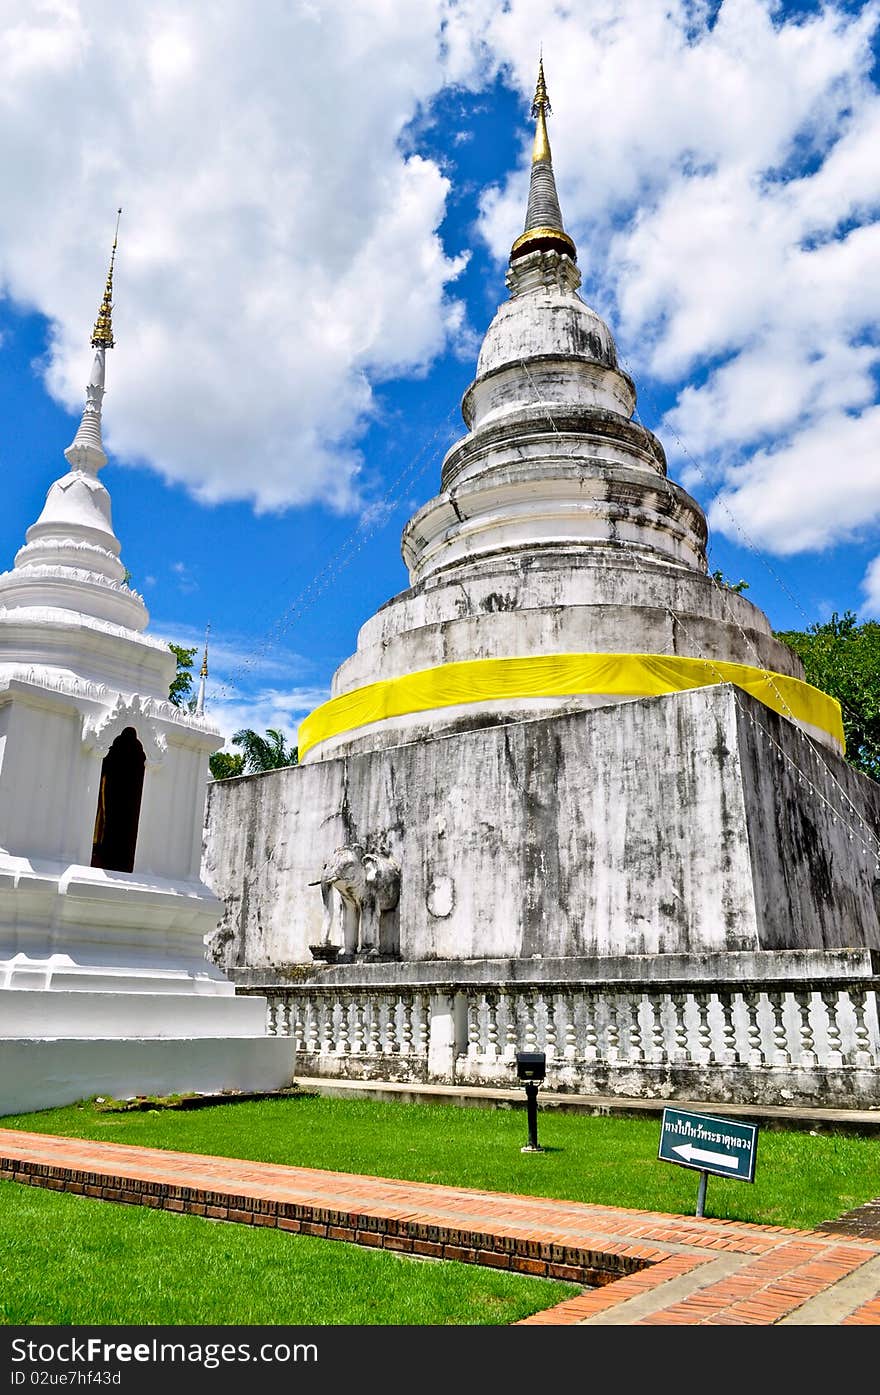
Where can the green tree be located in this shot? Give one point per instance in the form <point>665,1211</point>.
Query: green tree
<point>269,752</point>
<point>842,658</point>
<point>180,692</point>
<point>737,586</point>
<point>226,764</point>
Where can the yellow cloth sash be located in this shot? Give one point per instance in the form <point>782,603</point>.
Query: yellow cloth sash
<point>562,675</point>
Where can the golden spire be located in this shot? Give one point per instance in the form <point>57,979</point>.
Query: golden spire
<point>543,227</point>
<point>203,679</point>
<point>541,109</point>
<point>102,334</point>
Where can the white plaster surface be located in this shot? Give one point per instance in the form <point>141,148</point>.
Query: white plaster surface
<point>76,669</point>
<point>123,1014</point>
<point>36,1073</point>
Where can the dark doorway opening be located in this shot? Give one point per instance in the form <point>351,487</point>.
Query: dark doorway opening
<point>119,804</point>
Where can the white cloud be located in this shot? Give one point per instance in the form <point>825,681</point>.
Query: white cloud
<point>278,250</point>
<point>236,660</point>
<point>280,708</point>
<point>184,577</point>
<point>779,383</point>
<point>820,487</point>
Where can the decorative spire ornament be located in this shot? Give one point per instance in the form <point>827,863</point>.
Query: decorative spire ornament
<point>102,334</point>
<point>86,450</point>
<point>203,677</point>
<point>544,228</point>
<point>541,109</point>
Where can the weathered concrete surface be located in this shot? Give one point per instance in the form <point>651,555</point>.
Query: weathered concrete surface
<point>672,825</point>
<point>629,971</point>
<point>788,1118</point>
<point>527,606</point>
<point>543,603</point>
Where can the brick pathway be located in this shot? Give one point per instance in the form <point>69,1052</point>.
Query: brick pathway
<point>647,1268</point>
<point>862,1223</point>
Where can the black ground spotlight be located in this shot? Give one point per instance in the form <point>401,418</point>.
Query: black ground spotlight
<point>531,1067</point>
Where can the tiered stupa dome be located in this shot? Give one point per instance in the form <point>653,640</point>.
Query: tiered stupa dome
<point>558,568</point>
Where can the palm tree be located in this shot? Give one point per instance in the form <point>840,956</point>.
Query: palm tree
<point>269,752</point>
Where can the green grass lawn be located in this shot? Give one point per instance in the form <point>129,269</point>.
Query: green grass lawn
<point>800,1180</point>
<point>70,1260</point>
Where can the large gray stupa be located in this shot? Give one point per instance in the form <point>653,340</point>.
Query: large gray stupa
<point>570,792</point>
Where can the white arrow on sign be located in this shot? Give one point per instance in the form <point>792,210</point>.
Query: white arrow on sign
<point>692,1154</point>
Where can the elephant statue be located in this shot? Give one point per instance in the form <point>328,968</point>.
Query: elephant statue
<point>357,887</point>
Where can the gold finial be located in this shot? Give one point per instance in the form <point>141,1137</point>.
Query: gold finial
<point>204,671</point>
<point>102,334</point>
<point>540,110</point>
<point>543,227</point>
<point>541,100</point>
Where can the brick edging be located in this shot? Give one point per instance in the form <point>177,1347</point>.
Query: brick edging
<point>598,1300</point>
<point>575,1264</point>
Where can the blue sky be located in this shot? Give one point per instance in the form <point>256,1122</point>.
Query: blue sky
<point>317,212</point>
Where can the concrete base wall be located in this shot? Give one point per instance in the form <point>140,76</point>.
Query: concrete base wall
<point>695,823</point>
<point>42,1074</point>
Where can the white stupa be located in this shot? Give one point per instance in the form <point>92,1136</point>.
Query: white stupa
<point>569,794</point>
<point>104,984</point>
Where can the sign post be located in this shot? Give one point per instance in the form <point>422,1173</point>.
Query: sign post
<point>724,1147</point>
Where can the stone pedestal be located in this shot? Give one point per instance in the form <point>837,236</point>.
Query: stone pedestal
<point>693,823</point>
<point>663,895</point>
<point>43,1073</point>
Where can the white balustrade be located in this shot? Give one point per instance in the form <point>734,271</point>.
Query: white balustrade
<point>424,1024</point>
<point>634,1005</point>
<point>343,1041</point>
<point>590,1033</point>
<point>571,1050</point>
<point>406,1036</point>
